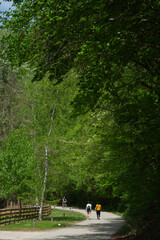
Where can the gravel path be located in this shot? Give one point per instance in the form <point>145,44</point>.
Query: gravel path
<point>91,229</point>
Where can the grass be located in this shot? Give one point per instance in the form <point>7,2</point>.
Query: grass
<point>59,221</point>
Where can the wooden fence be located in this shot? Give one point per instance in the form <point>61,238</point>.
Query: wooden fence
<point>8,216</point>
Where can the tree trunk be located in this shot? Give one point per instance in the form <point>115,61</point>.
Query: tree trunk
<point>44,184</point>
<point>46,165</point>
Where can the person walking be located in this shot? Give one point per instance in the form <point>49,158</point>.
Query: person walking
<point>64,202</point>
<point>88,209</point>
<point>98,210</point>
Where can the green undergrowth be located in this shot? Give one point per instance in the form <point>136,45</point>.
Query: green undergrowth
<point>61,218</point>
<point>125,229</point>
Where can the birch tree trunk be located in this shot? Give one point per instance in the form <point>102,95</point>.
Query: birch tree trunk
<point>46,164</point>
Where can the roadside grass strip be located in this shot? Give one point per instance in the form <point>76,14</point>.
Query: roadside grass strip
<point>57,219</point>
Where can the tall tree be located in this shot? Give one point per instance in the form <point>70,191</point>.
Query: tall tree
<point>46,162</point>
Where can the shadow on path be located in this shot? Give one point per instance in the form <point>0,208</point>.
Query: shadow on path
<point>97,231</point>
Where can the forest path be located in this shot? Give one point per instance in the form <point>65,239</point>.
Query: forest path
<point>91,229</point>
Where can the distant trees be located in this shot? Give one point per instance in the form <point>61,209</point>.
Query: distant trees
<point>16,159</point>
<point>8,82</point>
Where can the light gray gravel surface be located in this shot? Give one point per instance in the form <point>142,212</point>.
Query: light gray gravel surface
<point>89,229</point>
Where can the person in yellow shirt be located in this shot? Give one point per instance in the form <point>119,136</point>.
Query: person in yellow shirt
<point>98,210</point>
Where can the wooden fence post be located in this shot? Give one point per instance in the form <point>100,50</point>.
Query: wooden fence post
<point>34,223</point>
<point>10,217</point>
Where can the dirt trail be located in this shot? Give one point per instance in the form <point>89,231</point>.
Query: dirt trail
<point>91,229</point>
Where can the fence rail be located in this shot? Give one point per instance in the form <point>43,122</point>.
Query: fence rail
<point>8,216</point>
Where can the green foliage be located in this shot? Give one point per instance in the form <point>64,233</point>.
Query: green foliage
<point>16,162</point>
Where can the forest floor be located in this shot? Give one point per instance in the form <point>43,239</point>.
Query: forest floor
<point>120,236</point>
